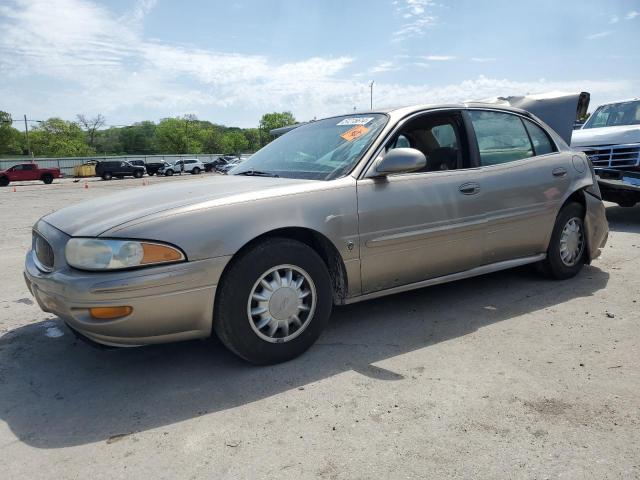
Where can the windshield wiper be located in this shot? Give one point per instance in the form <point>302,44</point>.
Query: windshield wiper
<point>257,173</point>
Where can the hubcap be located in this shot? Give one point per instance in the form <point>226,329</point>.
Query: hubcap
<point>571,242</point>
<point>281,303</point>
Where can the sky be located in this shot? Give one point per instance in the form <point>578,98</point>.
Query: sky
<point>231,61</point>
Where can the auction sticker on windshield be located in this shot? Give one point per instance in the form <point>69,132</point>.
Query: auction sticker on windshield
<point>355,121</point>
<point>354,133</point>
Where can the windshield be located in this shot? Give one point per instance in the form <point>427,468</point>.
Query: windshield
<point>625,113</point>
<point>320,150</point>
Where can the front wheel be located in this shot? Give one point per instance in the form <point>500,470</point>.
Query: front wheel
<point>137,174</point>
<point>4,181</point>
<point>106,176</point>
<point>195,171</point>
<point>273,302</point>
<point>567,248</point>
<point>168,173</point>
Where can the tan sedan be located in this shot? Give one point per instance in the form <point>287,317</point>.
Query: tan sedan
<point>336,211</point>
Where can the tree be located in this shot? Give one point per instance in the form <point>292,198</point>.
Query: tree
<point>59,138</point>
<point>91,125</point>
<point>234,142</point>
<point>269,121</point>
<point>10,139</point>
<point>179,135</point>
<point>212,140</point>
<point>253,138</point>
<point>138,138</point>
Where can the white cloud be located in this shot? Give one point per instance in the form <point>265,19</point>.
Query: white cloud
<point>417,18</point>
<point>596,36</point>
<point>632,14</point>
<point>439,58</point>
<point>90,61</point>
<point>483,59</point>
<point>385,67</point>
<point>614,19</point>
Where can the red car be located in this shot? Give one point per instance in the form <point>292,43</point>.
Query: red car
<point>28,171</point>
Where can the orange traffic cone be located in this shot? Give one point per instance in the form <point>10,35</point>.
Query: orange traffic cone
<point>14,189</point>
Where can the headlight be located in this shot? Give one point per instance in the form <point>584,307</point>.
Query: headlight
<point>99,254</point>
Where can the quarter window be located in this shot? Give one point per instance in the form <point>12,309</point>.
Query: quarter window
<point>541,142</point>
<point>501,137</point>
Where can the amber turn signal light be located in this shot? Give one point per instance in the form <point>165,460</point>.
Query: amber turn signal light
<point>154,253</point>
<point>110,313</point>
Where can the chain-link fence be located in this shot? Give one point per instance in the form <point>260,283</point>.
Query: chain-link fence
<point>66,164</point>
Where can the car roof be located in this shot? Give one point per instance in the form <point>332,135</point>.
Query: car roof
<point>409,109</point>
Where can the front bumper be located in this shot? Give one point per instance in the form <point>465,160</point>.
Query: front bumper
<point>170,303</point>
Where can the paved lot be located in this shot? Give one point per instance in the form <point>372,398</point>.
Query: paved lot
<point>502,376</point>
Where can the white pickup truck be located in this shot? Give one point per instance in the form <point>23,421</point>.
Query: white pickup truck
<point>611,140</point>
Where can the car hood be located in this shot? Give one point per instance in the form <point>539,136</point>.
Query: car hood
<point>95,217</point>
<point>622,134</point>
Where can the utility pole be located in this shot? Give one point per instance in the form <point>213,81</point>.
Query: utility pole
<point>26,133</point>
<point>371,91</point>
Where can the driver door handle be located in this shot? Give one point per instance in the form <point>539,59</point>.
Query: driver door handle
<point>470,188</point>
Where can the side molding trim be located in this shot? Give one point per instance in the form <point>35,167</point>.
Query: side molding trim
<point>474,272</point>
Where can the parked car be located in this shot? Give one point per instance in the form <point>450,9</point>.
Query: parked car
<point>189,165</point>
<point>28,171</point>
<point>229,165</point>
<point>119,169</point>
<point>611,140</point>
<point>154,167</point>
<point>337,211</point>
<point>218,162</point>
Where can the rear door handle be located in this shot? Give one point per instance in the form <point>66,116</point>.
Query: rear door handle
<point>559,172</point>
<point>470,188</point>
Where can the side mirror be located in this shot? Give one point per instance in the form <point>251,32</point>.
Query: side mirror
<point>400,160</point>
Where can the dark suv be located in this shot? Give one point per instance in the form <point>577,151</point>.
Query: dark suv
<point>119,169</point>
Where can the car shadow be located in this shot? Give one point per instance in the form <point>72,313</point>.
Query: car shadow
<point>59,392</point>
<point>624,219</point>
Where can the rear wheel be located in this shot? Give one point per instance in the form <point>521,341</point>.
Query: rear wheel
<point>169,173</point>
<point>567,248</point>
<point>137,174</point>
<point>4,181</point>
<point>106,176</point>
<point>47,178</point>
<point>195,171</point>
<point>273,302</point>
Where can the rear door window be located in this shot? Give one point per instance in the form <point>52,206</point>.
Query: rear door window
<point>501,137</point>
<point>541,142</point>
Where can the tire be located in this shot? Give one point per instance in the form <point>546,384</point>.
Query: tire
<point>556,265</point>
<point>240,330</point>
<point>137,174</point>
<point>195,171</point>
<point>4,181</point>
<point>169,173</point>
<point>47,178</point>
<point>107,176</point>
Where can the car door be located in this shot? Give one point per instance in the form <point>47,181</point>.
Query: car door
<point>30,172</point>
<point>425,224</point>
<point>525,180</point>
<point>18,173</point>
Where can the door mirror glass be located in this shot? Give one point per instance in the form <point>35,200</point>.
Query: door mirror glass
<point>401,160</point>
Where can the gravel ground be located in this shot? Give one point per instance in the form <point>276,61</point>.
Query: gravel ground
<point>502,376</point>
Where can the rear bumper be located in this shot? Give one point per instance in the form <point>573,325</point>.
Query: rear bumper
<point>170,303</point>
<point>596,225</point>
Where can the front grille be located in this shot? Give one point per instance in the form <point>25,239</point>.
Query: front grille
<point>614,156</point>
<point>44,252</point>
